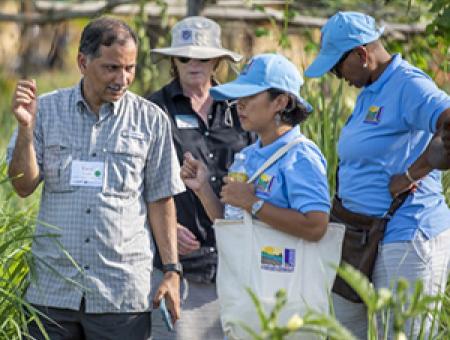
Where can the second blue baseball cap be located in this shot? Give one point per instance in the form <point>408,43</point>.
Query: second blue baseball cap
<point>342,32</point>
<point>263,72</point>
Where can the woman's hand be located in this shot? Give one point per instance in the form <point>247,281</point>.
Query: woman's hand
<point>187,242</point>
<point>399,183</point>
<point>446,137</point>
<point>194,173</point>
<point>238,194</point>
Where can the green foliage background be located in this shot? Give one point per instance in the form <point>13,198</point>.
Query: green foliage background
<point>332,100</point>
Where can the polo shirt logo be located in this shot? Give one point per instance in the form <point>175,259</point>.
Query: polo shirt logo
<point>264,184</point>
<point>373,115</point>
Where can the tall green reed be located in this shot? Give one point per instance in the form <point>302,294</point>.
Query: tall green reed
<point>332,103</point>
<point>16,234</point>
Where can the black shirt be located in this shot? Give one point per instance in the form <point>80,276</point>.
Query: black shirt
<point>214,144</point>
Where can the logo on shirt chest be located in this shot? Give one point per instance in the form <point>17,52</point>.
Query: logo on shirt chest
<point>373,115</point>
<point>264,184</point>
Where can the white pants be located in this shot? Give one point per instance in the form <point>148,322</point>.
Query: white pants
<point>200,314</point>
<point>427,260</point>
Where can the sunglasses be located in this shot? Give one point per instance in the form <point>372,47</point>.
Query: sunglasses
<point>336,68</point>
<point>185,60</point>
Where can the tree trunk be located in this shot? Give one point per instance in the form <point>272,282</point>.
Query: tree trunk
<point>195,7</point>
<point>28,41</point>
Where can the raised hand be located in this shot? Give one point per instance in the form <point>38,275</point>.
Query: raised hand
<point>194,173</point>
<point>24,104</point>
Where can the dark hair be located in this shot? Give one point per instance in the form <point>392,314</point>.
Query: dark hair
<point>104,31</point>
<point>294,112</point>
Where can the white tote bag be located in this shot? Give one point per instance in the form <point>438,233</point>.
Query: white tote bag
<point>255,255</point>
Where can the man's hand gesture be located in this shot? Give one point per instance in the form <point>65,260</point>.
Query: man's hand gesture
<point>24,104</point>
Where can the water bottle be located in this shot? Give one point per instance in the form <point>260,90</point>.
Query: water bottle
<point>236,171</point>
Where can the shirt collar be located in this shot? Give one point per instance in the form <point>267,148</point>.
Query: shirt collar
<point>390,69</point>
<point>269,150</point>
<point>176,90</point>
<point>83,106</point>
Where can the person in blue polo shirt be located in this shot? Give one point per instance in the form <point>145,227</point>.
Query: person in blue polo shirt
<point>383,151</point>
<point>292,194</point>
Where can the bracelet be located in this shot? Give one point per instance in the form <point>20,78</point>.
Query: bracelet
<point>409,177</point>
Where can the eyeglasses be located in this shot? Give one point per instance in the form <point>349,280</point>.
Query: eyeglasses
<point>185,60</point>
<point>336,68</point>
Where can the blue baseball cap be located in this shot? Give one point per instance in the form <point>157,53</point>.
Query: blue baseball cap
<point>342,32</point>
<point>263,72</point>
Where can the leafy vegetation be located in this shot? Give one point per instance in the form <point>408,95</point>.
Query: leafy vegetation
<point>332,100</point>
<point>391,313</point>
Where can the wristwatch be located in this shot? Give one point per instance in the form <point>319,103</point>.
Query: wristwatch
<point>173,267</point>
<point>257,207</point>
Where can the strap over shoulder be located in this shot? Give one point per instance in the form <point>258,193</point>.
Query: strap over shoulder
<point>278,154</point>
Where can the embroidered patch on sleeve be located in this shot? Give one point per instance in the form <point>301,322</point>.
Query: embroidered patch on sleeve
<point>373,116</point>
<point>278,259</point>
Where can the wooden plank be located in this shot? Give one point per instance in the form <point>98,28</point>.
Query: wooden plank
<point>223,10</point>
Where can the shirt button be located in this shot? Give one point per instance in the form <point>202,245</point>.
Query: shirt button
<point>211,155</point>
<point>213,178</point>
<point>104,150</point>
<point>206,133</point>
<point>87,240</point>
<point>88,210</point>
<point>86,267</point>
<point>94,154</point>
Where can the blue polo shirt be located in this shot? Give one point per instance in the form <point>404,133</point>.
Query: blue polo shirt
<point>297,180</point>
<point>392,123</point>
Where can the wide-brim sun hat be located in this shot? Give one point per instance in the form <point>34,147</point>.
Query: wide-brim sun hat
<point>263,72</point>
<point>198,38</point>
<point>341,33</point>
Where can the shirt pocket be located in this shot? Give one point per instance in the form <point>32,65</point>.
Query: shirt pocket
<point>57,167</point>
<point>124,165</point>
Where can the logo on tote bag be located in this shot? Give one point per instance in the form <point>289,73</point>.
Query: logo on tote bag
<point>277,259</point>
<point>373,115</point>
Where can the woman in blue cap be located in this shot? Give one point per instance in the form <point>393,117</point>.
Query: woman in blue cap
<point>387,147</point>
<point>292,194</point>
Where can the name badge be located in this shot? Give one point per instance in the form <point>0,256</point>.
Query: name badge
<point>186,121</point>
<point>87,174</point>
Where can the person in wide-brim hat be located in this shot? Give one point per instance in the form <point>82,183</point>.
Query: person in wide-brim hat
<point>209,129</point>
<point>198,38</point>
